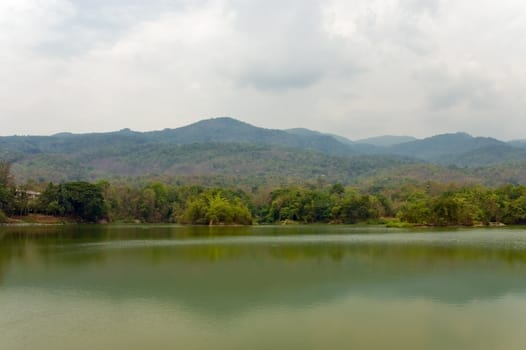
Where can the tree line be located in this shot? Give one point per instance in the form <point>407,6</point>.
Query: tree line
<point>156,202</point>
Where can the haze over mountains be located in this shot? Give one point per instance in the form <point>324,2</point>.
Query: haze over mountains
<point>387,140</point>
<point>231,148</point>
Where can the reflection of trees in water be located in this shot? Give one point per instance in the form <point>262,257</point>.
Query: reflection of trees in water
<point>208,244</point>
<point>406,254</point>
<point>8,253</point>
<point>44,244</point>
<point>204,264</point>
<point>5,258</point>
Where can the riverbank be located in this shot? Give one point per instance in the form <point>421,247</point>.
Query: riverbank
<point>38,219</point>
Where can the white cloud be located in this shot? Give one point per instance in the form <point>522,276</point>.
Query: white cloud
<point>358,68</point>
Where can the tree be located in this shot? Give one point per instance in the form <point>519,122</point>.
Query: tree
<point>214,208</point>
<point>416,209</point>
<point>7,189</point>
<point>81,200</point>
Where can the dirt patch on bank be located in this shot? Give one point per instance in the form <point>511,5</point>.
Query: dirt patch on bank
<point>37,219</point>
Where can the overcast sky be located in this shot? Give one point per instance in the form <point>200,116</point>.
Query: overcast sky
<point>357,68</point>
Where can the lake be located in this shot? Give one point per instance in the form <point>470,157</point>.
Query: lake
<point>264,287</point>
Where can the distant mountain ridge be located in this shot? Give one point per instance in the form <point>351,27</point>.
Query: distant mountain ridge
<point>387,140</point>
<point>518,143</point>
<point>225,129</point>
<point>443,147</point>
<point>234,148</point>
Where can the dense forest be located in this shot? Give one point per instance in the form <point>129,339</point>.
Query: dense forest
<point>425,203</point>
<point>248,155</point>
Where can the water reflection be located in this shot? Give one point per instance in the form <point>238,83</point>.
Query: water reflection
<point>203,268</point>
<point>127,287</point>
<point>361,323</point>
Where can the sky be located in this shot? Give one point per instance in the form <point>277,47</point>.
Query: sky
<point>357,68</point>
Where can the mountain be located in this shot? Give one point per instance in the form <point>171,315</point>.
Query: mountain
<point>268,164</point>
<point>213,147</point>
<point>387,140</point>
<point>488,155</point>
<point>303,132</point>
<point>358,148</point>
<point>411,174</point>
<point>225,130</point>
<point>518,143</point>
<point>307,132</point>
<point>444,147</point>
<point>217,130</point>
<point>228,148</point>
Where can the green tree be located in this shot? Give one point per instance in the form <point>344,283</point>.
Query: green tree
<point>7,189</point>
<point>214,208</point>
<point>81,200</point>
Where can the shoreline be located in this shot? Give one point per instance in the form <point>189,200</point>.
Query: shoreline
<point>48,220</point>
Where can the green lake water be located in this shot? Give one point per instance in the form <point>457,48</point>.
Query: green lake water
<point>268,287</point>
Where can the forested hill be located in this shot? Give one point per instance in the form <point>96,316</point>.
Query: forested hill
<point>259,163</point>
<point>447,145</point>
<point>387,140</point>
<point>231,148</point>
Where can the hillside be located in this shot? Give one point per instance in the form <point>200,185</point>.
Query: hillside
<point>488,155</point>
<point>441,146</point>
<point>387,140</point>
<point>420,173</point>
<point>307,132</point>
<point>269,163</point>
<point>217,130</point>
<point>518,143</point>
<point>228,130</point>
<point>233,149</point>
